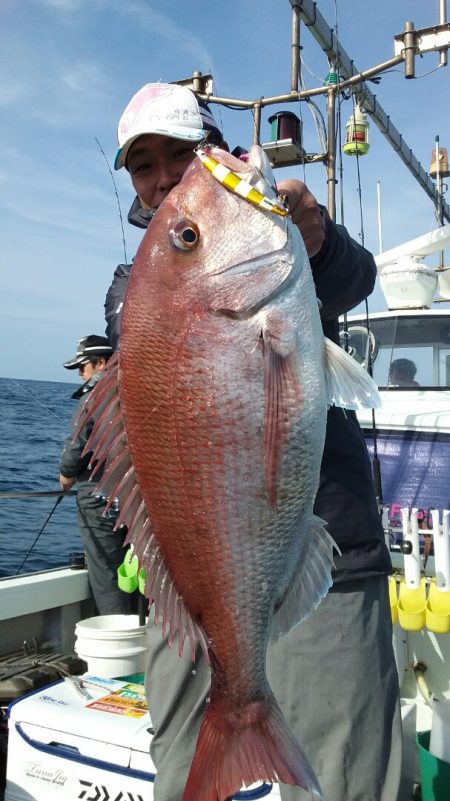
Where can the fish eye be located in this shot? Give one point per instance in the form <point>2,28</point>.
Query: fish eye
<point>185,235</point>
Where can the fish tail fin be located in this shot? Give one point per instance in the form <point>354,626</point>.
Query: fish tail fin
<point>251,745</point>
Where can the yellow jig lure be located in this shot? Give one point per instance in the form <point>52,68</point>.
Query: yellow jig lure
<point>240,187</point>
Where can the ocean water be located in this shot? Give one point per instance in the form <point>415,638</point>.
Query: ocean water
<point>34,421</point>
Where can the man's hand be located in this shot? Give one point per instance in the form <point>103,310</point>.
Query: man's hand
<point>304,212</point>
<point>66,482</point>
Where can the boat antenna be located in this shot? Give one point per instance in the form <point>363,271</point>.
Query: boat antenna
<point>380,228</point>
<point>58,500</point>
<point>117,198</point>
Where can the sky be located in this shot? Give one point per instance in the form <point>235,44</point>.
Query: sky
<point>67,70</point>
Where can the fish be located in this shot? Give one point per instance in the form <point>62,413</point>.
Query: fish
<point>211,419</point>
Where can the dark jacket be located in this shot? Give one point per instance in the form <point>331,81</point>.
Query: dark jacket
<point>344,274</point>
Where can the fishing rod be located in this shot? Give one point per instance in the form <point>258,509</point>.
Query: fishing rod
<point>58,501</point>
<point>117,199</point>
<point>47,494</point>
<point>44,494</point>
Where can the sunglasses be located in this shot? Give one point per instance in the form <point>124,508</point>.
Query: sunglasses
<point>82,367</point>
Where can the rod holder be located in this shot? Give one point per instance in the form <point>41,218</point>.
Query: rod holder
<point>412,606</point>
<point>438,601</point>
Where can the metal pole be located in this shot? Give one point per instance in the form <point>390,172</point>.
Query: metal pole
<point>380,232</point>
<point>438,185</point>
<point>410,50</point>
<point>326,38</point>
<point>295,48</point>
<point>256,123</point>
<point>442,20</point>
<point>440,192</point>
<point>331,153</point>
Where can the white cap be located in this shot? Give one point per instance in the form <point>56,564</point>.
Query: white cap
<point>159,108</point>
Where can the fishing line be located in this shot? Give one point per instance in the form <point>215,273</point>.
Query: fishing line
<point>338,139</point>
<point>300,111</point>
<point>376,464</point>
<point>340,160</point>
<point>315,112</point>
<point>359,188</point>
<point>219,107</point>
<point>27,392</point>
<point>339,120</point>
<point>117,198</point>
<point>58,500</point>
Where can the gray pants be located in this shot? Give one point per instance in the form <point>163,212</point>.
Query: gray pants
<point>104,553</point>
<point>335,678</point>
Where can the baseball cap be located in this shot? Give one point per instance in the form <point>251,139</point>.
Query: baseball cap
<point>167,109</point>
<point>88,348</point>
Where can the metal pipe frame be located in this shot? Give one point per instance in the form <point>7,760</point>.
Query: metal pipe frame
<point>353,79</point>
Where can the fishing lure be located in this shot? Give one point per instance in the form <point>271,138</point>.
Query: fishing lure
<point>240,187</point>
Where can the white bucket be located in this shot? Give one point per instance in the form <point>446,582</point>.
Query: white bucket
<point>112,645</point>
<point>440,730</point>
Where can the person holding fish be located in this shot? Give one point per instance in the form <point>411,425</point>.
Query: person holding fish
<point>239,449</point>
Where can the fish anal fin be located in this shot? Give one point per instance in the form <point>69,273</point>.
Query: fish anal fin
<point>310,584</point>
<point>282,391</point>
<point>240,749</point>
<point>349,386</point>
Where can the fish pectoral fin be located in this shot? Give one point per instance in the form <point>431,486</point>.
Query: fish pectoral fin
<point>311,582</point>
<point>109,446</point>
<point>348,384</point>
<point>283,393</point>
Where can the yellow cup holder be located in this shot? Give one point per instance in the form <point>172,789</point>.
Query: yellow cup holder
<point>438,609</point>
<point>412,606</point>
<point>393,599</point>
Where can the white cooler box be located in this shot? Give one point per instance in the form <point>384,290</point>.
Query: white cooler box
<point>63,746</point>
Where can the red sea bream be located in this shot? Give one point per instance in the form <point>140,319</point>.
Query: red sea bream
<point>224,378</point>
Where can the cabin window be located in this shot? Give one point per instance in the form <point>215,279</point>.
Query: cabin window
<point>406,352</point>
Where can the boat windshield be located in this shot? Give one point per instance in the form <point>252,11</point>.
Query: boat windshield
<point>407,352</point>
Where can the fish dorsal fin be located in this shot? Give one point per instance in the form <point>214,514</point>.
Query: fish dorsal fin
<point>348,384</point>
<point>109,446</point>
<point>310,584</point>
